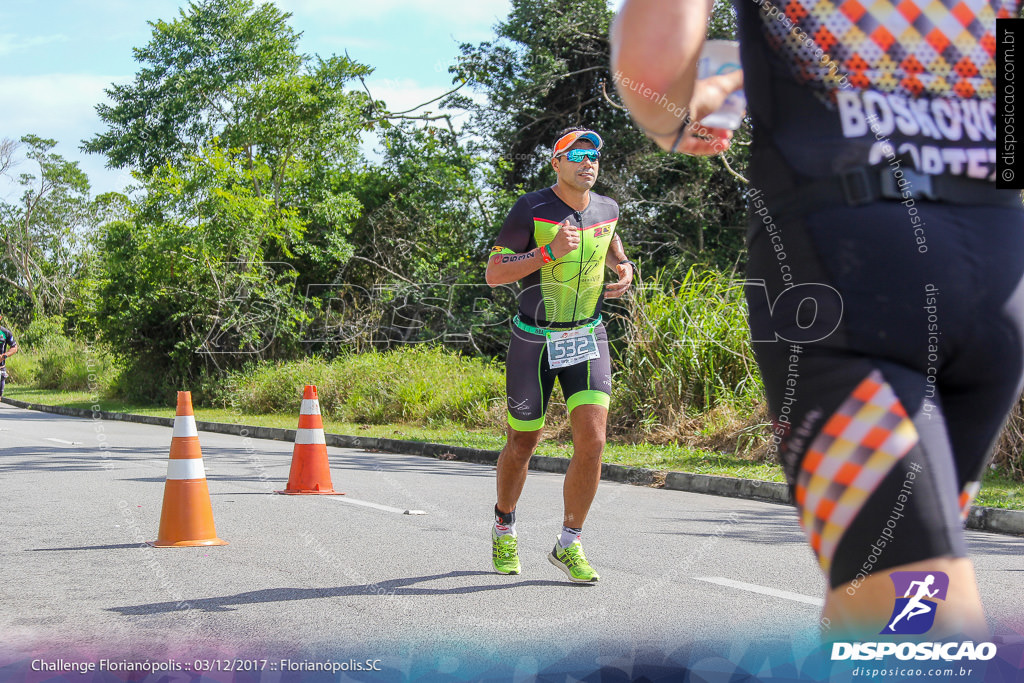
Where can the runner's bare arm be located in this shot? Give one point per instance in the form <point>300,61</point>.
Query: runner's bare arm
<point>616,253</point>
<point>614,260</point>
<point>505,268</point>
<point>655,47</point>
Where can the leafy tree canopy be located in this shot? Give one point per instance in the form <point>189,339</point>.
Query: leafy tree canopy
<point>41,234</point>
<point>225,69</point>
<point>549,69</point>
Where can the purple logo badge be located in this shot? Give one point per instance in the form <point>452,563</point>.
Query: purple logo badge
<point>917,594</point>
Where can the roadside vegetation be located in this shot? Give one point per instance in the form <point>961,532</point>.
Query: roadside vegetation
<point>260,249</point>
<point>999,489</point>
<point>687,396</point>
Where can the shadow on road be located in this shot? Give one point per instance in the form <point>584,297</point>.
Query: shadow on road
<point>22,415</point>
<point>383,589</point>
<point>979,542</point>
<point>770,525</point>
<point>80,457</point>
<point>117,546</point>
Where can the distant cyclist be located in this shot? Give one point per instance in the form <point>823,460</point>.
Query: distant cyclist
<point>8,347</point>
<point>872,166</point>
<point>557,242</point>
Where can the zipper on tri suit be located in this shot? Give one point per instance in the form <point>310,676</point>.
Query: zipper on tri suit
<point>579,271</point>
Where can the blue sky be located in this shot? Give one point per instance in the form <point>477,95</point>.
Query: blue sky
<point>57,56</point>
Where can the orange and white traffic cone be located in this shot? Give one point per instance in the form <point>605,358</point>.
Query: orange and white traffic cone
<point>311,472</point>
<point>187,517</point>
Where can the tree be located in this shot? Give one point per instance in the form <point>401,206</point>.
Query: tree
<point>199,80</point>
<point>226,74</point>
<point>191,270</point>
<point>8,148</point>
<point>13,303</point>
<point>243,148</point>
<point>549,69</point>
<point>421,243</point>
<point>41,235</point>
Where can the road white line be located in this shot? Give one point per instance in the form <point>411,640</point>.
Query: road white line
<point>763,590</point>
<point>66,443</point>
<point>375,506</point>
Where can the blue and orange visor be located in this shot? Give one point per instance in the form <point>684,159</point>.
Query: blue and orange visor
<point>567,140</point>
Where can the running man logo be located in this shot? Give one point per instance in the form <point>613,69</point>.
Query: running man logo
<point>914,613</point>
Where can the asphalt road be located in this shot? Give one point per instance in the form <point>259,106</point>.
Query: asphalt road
<point>318,576</point>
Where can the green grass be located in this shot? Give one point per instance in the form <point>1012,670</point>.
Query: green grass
<point>61,363</point>
<point>638,455</point>
<point>998,491</point>
<point>418,384</point>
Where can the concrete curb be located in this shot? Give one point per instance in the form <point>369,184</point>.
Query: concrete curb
<point>994,520</point>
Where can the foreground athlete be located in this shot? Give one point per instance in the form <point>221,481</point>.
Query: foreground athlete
<point>872,173</point>
<point>556,242</point>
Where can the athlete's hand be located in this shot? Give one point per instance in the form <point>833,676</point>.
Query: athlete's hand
<point>617,289</point>
<point>709,95</point>
<point>567,239</point>
<point>702,141</point>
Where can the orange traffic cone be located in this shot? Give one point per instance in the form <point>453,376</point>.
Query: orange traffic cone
<point>186,518</point>
<point>310,473</point>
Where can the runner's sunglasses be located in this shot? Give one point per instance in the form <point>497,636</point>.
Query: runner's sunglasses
<point>578,155</point>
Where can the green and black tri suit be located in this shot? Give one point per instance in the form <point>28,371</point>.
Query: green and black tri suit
<point>564,294</point>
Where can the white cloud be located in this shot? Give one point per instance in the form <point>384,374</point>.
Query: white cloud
<point>340,43</point>
<point>9,42</point>
<point>456,13</point>
<point>51,104</point>
<point>403,93</point>
<point>61,107</point>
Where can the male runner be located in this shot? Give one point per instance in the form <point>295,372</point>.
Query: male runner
<point>8,347</point>
<point>556,243</point>
<point>873,167</point>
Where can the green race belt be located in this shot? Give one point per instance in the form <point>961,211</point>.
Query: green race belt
<point>545,331</point>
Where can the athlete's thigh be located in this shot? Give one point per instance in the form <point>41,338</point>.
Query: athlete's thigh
<point>872,475</point>
<point>974,420</point>
<point>982,380</point>
<point>589,383</point>
<point>528,381</point>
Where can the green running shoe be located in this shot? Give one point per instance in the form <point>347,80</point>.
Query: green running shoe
<point>505,553</point>
<point>573,562</point>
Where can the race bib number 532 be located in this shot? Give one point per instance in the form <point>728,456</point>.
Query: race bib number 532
<point>572,347</point>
